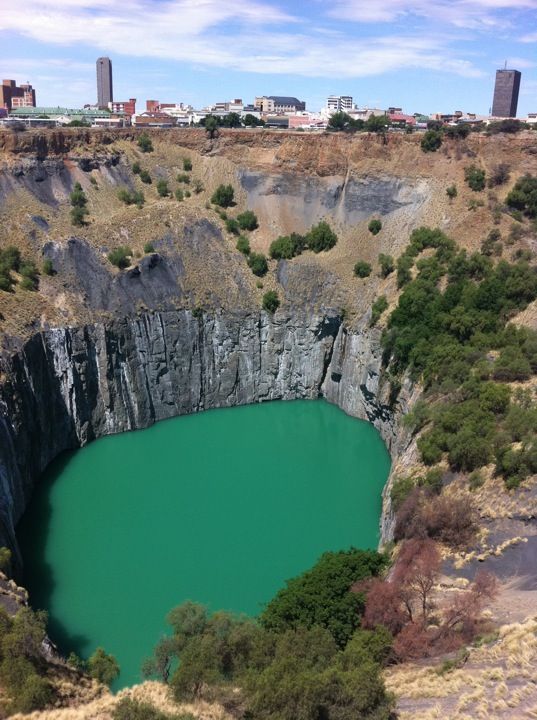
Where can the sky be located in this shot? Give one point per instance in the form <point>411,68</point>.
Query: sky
<point>422,55</point>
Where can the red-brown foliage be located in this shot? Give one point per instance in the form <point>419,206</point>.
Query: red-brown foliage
<point>416,571</point>
<point>383,606</point>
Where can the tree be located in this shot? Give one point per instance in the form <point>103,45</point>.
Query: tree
<point>378,307</point>
<point>451,192</point>
<point>287,246</point>
<point>475,177</point>
<point>431,141</point>
<point>233,120</point>
<point>187,164</point>
<point>78,201</point>
<point>243,245</point>
<point>377,124</point>
<point>211,126</point>
<point>145,177</point>
<point>144,143</point>
<point>321,237</point>
<point>250,120</point>
<point>232,226</point>
<point>160,664</point>
<point>339,121</point>
<point>78,216</point>
<point>103,667</point>
<point>120,257</point>
<point>162,188</point>
<point>524,196</point>
<point>416,571</point>
<point>271,301</point>
<point>223,196</point>
<point>362,269</point>
<point>247,220</point>
<point>257,263</point>
<point>375,226</point>
<point>387,264</point>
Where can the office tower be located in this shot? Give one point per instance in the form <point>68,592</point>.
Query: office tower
<point>506,90</point>
<point>105,93</point>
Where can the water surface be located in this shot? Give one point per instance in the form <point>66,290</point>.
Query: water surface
<point>219,508</point>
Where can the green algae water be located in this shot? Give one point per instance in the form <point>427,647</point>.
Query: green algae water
<point>220,508</point>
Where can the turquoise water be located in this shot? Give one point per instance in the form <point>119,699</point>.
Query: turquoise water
<point>220,508</point>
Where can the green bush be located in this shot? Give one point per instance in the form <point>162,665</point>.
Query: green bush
<point>232,226</point>
<point>5,559</point>
<point>144,143</point>
<point>362,269</point>
<point>183,178</point>
<point>378,307</point>
<point>179,195</point>
<point>103,667</point>
<point>48,267</point>
<point>243,245</point>
<point>475,178</point>
<point>387,264</point>
<point>30,275</point>
<point>321,237</point>
<point>130,709</point>
<point>136,169</point>
<point>401,489</point>
<point>145,177</point>
<point>187,164</point>
<point>223,196</point>
<point>287,246</point>
<point>162,188</point>
<point>120,257</point>
<point>257,263</point>
<point>451,192</point>
<point>271,301</point>
<point>247,220</point>
<point>431,141</point>
<point>78,216</point>
<point>149,247</point>
<point>131,198</point>
<point>375,226</point>
<point>523,197</point>
<point>78,196</point>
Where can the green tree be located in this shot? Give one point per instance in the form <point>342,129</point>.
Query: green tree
<point>387,264</point>
<point>377,124</point>
<point>362,269</point>
<point>211,126</point>
<point>375,226</point>
<point>233,120</point>
<point>232,226</point>
<point>187,164</point>
<point>78,201</point>
<point>247,220</point>
<point>321,237</point>
<point>250,120</point>
<point>258,264</point>
<point>339,121</point>
<point>271,301</point>
<point>287,246</point>
<point>223,196</point>
<point>78,216</point>
<point>145,177</point>
<point>120,257</point>
<point>162,188</point>
<point>431,141</point>
<point>103,667</point>
<point>475,178</point>
<point>144,143</point>
<point>243,245</point>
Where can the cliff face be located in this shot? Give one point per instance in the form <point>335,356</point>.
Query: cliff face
<point>68,386</point>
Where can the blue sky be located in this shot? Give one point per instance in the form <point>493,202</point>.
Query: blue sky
<point>421,55</point>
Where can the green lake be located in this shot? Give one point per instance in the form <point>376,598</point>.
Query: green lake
<point>220,507</point>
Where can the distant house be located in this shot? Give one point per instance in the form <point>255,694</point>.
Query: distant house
<point>279,104</point>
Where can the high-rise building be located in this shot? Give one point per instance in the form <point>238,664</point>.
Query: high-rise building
<point>105,93</point>
<point>12,96</point>
<point>339,103</point>
<point>506,90</point>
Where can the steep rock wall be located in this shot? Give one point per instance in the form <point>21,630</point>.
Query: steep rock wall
<point>67,386</point>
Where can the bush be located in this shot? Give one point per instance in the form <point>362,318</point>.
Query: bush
<point>451,192</point>
<point>30,275</point>
<point>103,667</point>
<point>78,196</point>
<point>120,257</point>
<point>243,245</point>
<point>5,559</point>
<point>187,164</point>
<point>257,263</point>
<point>401,489</point>
<point>362,269</point>
<point>48,268</point>
<point>144,143</point>
<point>78,216</point>
<point>375,226</point>
<point>197,186</point>
<point>179,196</point>
<point>287,246</point>
<point>500,175</point>
<point>321,237</point>
<point>183,178</point>
<point>271,301</point>
<point>378,307</point>
<point>162,188</point>
<point>149,247</point>
<point>475,178</point>
<point>232,226</point>
<point>223,196</point>
<point>131,198</point>
<point>387,264</point>
<point>145,177</point>
<point>247,220</point>
<point>136,169</point>
<point>130,709</point>
<point>431,141</point>
<point>523,197</point>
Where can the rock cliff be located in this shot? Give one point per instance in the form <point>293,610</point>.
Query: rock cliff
<point>67,386</point>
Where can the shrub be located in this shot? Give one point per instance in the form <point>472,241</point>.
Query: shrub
<point>136,169</point>
<point>287,246</point>
<point>179,196</point>
<point>120,257</point>
<point>187,193</point>
<point>378,307</point>
<point>523,197</point>
<point>401,489</point>
<point>78,216</point>
<point>321,237</point>
<point>149,247</point>
<point>48,268</point>
<point>247,220</point>
<point>375,226</point>
<point>103,667</point>
<point>78,196</point>
<point>362,269</point>
<point>162,188</point>
<point>451,192</point>
<point>183,178</point>
<point>197,186</point>
<point>258,264</point>
<point>145,177</point>
<point>387,264</point>
<point>144,143</point>
<point>431,141</point>
<point>509,125</point>
<point>271,301</point>
<point>93,181</point>
<point>131,198</point>
<point>489,246</point>
<point>131,709</point>
<point>243,245</point>
<point>5,559</point>
<point>232,226</point>
<point>187,164</point>
<point>223,196</point>
<point>500,175</point>
<point>475,178</point>
<point>30,274</point>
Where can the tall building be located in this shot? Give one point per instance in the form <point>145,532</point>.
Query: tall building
<point>506,90</point>
<point>278,104</point>
<point>12,96</point>
<point>338,103</point>
<point>105,93</point>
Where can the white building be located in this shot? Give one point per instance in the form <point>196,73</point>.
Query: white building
<point>339,103</point>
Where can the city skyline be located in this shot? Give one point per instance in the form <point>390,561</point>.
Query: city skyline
<point>423,57</point>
